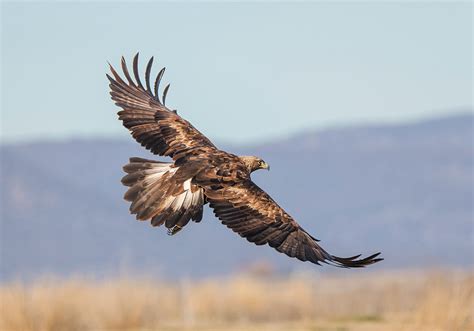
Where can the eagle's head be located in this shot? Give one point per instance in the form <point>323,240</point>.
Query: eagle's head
<point>254,163</point>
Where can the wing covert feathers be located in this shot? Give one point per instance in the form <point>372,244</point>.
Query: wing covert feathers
<point>153,125</point>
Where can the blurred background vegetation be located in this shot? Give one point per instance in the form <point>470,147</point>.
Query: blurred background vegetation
<point>253,300</point>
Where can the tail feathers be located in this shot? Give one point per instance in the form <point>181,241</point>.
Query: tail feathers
<point>157,195</point>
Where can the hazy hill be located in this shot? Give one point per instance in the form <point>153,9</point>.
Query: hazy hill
<point>405,190</point>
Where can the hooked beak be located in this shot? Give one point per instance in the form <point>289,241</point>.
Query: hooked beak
<point>265,166</point>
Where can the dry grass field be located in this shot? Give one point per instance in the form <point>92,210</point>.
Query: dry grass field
<point>390,300</point>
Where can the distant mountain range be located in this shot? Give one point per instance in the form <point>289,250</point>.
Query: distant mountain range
<point>405,190</point>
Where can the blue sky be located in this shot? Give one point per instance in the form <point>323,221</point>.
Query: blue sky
<point>238,71</point>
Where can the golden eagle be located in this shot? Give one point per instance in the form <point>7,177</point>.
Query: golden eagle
<point>174,193</point>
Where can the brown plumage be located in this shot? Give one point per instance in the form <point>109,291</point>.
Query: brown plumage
<point>174,193</point>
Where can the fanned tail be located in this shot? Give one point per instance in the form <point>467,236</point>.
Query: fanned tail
<point>156,195</point>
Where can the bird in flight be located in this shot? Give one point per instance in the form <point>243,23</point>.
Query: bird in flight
<point>173,193</point>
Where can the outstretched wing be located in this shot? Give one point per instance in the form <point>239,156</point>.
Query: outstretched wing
<point>248,210</point>
<point>150,122</point>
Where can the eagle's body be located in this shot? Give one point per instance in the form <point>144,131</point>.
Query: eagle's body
<point>174,193</point>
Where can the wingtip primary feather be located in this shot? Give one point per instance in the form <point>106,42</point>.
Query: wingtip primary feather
<point>147,75</point>
<point>136,72</point>
<point>117,77</point>
<point>126,73</point>
<point>165,93</point>
<point>157,83</point>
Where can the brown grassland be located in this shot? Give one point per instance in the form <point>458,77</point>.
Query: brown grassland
<point>353,300</point>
